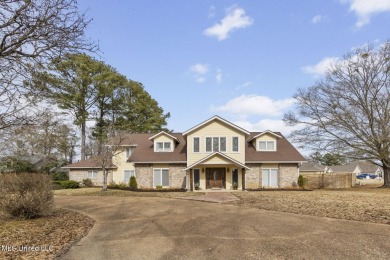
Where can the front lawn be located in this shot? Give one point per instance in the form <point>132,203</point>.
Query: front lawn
<point>361,204</point>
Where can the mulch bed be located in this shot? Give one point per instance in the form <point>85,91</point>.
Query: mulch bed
<point>42,238</point>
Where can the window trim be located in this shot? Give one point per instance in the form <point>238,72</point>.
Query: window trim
<point>92,171</point>
<point>238,144</point>
<point>163,147</point>
<point>193,176</point>
<point>266,145</point>
<point>130,173</point>
<point>161,169</point>
<point>238,176</point>
<point>270,170</point>
<point>219,144</point>
<point>193,144</point>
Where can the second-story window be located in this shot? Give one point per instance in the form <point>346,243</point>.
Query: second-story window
<point>215,144</point>
<point>235,144</point>
<point>267,146</point>
<point>163,147</point>
<point>196,144</point>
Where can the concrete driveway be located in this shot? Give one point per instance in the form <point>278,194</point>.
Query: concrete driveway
<point>156,228</point>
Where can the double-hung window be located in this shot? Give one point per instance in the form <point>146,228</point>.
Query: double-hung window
<point>92,174</point>
<point>196,145</point>
<point>266,146</point>
<point>161,177</point>
<point>163,147</point>
<point>215,144</point>
<point>235,144</point>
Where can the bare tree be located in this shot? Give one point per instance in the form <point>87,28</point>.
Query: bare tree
<point>31,34</point>
<point>348,112</point>
<point>110,153</point>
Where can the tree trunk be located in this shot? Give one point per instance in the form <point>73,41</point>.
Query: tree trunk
<point>105,173</point>
<point>386,175</point>
<point>83,141</point>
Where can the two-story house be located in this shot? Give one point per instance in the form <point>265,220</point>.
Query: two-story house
<point>215,154</point>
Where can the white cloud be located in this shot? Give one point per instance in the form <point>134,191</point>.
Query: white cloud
<point>318,18</point>
<point>276,125</point>
<point>218,77</point>
<point>365,9</point>
<point>246,105</point>
<point>199,71</point>
<point>244,85</point>
<point>234,19</point>
<point>322,67</point>
<point>200,68</point>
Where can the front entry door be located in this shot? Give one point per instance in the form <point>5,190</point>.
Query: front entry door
<point>215,178</point>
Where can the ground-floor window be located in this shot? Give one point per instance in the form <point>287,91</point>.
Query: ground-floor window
<point>92,174</point>
<point>127,174</point>
<point>270,178</point>
<point>196,177</point>
<point>160,177</point>
<point>235,176</point>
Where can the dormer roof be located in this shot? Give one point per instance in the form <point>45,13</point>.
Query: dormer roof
<point>264,133</point>
<point>164,133</point>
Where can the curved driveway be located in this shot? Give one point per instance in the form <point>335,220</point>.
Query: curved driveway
<point>157,228</point>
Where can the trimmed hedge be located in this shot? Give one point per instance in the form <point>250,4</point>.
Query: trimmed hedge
<point>70,184</point>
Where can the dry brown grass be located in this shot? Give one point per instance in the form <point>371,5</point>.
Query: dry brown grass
<point>56,233</point>
<point>122,193</point>
<point>361,204</point>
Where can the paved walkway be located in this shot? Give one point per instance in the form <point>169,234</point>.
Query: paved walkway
<point>157,228</point>
<point>218,197</point>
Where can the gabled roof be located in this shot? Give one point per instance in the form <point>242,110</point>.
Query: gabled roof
<point>144,152</point>
<point>312,167</point>
<point>217,154</point>
<point>263,133</point>
<point>344,168</point>
<point>163,133</point>
<point>216,118</point>
<point>285,152</point>
<point>92,163</point>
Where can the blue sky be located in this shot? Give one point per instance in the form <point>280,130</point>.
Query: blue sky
<point>242,60</point>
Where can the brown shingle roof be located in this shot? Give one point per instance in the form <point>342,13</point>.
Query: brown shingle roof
<point>145,152</point>
<point>285,151</point>
<point>312,167</point>
<point>91,163</point>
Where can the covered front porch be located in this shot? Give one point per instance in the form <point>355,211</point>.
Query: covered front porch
<point>216,172</point>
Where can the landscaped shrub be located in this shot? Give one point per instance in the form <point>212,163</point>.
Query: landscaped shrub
<point>112,185</point>
<point>87,182</point>
<point>59,176</point>
<point>302,181</point>
<point>26,195</point>
<point>133,183</point>
<point>159,187</point>
<point>70,184</point>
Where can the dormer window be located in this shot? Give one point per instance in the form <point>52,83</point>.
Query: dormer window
<point>163,147</point>
<point>266,146</point>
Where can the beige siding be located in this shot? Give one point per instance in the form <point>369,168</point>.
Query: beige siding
<point>164,138</point>
<point>120,160</point>
<point>265,137</point>
<point>215,129</point>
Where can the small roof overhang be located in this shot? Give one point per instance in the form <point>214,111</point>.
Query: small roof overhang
<point>233,161</point>
<point>163,133</point>
<point>263,133</point>
<point>217,118</point>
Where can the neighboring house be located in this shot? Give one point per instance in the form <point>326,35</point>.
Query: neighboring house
<point>29,162</point>
<point>313,168</point>
<point>212,155</point>
<point>349,168</point>
<point>369,168</point>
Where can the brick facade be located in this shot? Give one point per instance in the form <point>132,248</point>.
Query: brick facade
<point>253,176</point>
<point>80,174</point>
<point>144,175</point>
<point>177,176</point>
<point>288,175</point>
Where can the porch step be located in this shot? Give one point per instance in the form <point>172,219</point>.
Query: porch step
<point>216,188</point>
